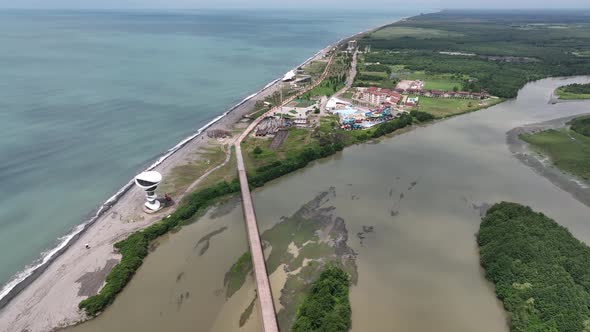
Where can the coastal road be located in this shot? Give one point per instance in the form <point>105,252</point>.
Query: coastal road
<point>269,319</point>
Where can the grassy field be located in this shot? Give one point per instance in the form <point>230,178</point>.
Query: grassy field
<point>444,107</point>
<point>444,82</point>
<point>562,94</point>
<point>183,175</point>
<point>226,173</point>
<point>581,125</point>
<point>432,81</point>
<point>315,67</point>
<point>420,33</point>
<point>568,150</point>
<point>571,96</point>
<point>296,141</point>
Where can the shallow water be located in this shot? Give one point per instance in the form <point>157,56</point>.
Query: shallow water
<point>421,191</point>
<point>87,99</point>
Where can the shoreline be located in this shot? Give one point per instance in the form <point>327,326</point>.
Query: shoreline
<point>48,261</point>
<point>15,285</point>
<point>543,165</point>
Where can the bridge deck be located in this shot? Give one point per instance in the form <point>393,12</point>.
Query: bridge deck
<point>269,320</point>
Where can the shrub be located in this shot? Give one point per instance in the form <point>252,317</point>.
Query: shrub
<point>422,116</point>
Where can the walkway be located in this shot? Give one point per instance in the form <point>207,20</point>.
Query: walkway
<point>269,319</point>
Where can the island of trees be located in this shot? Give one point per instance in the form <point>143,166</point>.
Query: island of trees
<point>541,272</point>
<point>574,91</point>
<point>326,307</point>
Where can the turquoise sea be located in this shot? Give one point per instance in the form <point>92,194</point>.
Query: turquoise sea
<point>88,99</point>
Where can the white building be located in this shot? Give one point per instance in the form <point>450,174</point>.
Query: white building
<point>289,76</point>
<point>351,46</point>
<point>334,102</point>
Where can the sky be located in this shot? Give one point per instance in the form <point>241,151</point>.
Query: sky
<point>341,4</point>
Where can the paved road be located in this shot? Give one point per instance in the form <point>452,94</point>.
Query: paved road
<point>269,320</point>
<point>350,77</point>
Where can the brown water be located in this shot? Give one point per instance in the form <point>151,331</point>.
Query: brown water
<point>418,270</point>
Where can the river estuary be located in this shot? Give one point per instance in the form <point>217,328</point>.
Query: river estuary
<point>411,205</point>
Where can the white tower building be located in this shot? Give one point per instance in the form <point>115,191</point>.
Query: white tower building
<point>149,181</point>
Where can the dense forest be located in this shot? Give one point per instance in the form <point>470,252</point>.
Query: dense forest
<point>541,272</point>
<point>581,125</point>
<point>500,51</point>
<point>327,307</point>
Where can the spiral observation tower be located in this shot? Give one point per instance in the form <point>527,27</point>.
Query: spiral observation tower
<point>149,182</point>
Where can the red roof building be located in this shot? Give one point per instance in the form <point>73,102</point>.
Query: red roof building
<point>377,96</point>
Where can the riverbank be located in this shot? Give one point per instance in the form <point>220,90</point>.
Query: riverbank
<point>573,92</point>
<point>541,164</point>
<point>538,267</point>
<point>35,296</point>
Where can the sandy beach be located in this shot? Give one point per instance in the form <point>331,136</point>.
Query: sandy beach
<point>51,295</point>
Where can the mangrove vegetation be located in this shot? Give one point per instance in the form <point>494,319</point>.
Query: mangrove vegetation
<point>327,307</point>
<point>541,272</point>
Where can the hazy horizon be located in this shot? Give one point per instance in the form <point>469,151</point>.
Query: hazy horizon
<point>377,5</point>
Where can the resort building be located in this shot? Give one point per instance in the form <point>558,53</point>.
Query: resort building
<point>377,96</point>
<point>352,118</point>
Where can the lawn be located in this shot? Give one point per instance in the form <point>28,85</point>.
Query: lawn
<point>444,107</point>
<point>568,150</point>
